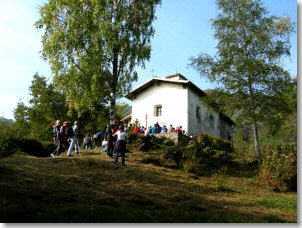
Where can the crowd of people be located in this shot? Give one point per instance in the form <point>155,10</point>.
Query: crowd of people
<point>156,128</point>
<point>114,138</point>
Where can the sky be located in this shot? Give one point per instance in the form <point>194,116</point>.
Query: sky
<point>182,30</point>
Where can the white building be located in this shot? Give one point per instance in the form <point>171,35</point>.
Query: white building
<point>177,101</point>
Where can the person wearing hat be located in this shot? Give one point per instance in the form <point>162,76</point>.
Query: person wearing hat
<point>72,134</point>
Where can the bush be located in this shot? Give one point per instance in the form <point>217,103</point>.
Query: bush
<point>11,142</point>
<point>7,146</point>
<point>154,161</point>
<point>214,142</point>
<point>145,143</point>
<point>7,138</point>
<point>198,158</point>
<point>175,154</point>
<point>244,147</point>
<point>279,167</point>
<point>132,137</point>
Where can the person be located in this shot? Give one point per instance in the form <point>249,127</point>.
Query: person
<point>158,127</point>
<point>148,131</point>
<point>154,129</point>
<point>63,132</point>
<point>105,134</point>
<point>136,130</point>
<point>164,129</point>
<point>180,127</point>
<point>54,133</point>
<point>110,138</point>
<point>142,130</point>
<point>178,130</point>
<point>170,129</point>
<point>87,142</point>
<point>99,138</point>
<point>59,139</point>
<point>104,145</point>
<point>95,139</point>
<point>120,146</point>
<point>130,128</point>
<point>73,134</point>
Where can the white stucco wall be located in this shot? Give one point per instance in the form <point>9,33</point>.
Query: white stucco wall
<point>173,99</point>
<point>204,123</point>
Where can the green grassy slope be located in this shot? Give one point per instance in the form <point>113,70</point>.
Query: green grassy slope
<point>90,188</point>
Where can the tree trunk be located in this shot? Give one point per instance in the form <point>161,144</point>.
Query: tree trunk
<point>112,109</point>
<point>256,141</point>
<point>256,138</point>
<point>112,98</point>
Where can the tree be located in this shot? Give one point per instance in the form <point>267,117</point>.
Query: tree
<point>21,115</point>
<point>93,47</point>
<point>251,45</point>
<point>46,106</point>
<point>122,110</point>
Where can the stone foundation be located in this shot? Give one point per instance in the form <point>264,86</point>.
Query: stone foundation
<point>176,137</point>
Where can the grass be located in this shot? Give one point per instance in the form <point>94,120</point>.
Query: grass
<point>90,188</point>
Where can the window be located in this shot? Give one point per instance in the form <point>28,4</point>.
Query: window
<point>229,136</point>
<point>197,112</point>
<point>211,121</point>
<point>157,110</point>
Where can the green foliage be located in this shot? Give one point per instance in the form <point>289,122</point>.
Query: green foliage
<point>8,134</point>
<point>122,110</point>
<point>47,105</point>
<point>243,146</point>
<point>282,203</point>
<point>132,137</point>
<point>208,155</point>
<point>94,46</point>
<point>202,160</point>
<point>142,142</point>
<point>279,167</point>
<point>12,140</point>
<point>214,142</point>
<point>136,122</point>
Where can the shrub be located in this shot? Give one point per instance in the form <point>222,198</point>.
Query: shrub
<point>279,167</point>
<point>11,142</point>
<point>154,161</point>
<point>214,142</point>
<point>7,138</point>
<point>140,142</point>
<point>244,147</point>
<point>198,159</point>
<point>7,146</point>
<point>176,154</point>
<point>132,137</point>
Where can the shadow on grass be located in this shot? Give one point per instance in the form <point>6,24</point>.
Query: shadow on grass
<point>95,190</point>
<point>236,169</point>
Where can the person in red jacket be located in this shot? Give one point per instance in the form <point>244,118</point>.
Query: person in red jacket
<point>158,127</point>
<point>136,130</point>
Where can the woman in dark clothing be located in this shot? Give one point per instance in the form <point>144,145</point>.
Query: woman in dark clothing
<point>120,145</point>
<point>110,138</point>
<point>59,139</point>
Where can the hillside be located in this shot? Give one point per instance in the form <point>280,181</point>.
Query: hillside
<point>90,188</point>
